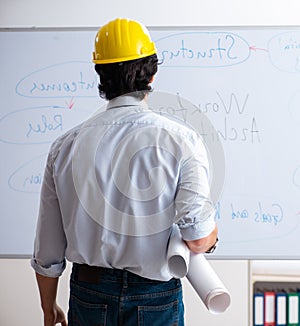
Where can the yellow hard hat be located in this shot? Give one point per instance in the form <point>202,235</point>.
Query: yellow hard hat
<point>122,40</point>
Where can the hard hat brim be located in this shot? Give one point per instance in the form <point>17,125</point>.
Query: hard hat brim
<point>116,60</point>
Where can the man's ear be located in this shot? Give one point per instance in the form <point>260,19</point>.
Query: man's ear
<point>151,79</point>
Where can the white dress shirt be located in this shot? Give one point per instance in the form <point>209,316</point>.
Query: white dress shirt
<point>113,187</point>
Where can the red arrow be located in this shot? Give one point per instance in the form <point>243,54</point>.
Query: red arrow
<point>71,104</point>
<point>254,48</point>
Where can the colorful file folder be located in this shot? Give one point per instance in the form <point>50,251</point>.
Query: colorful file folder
<point>293,309</point>
<point>269,308</point>
<point>258,309</point>
<point>281,309</point>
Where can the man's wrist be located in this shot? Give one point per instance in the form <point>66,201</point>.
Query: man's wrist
<point>212,248</point>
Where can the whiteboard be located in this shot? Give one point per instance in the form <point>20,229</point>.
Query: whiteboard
<point>245,81</point>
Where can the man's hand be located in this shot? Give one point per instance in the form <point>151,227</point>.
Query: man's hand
<point>202,245</point>
<point>57,316</point>
<point>53,314</point>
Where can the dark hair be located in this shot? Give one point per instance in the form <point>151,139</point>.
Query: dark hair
<point>126,77</point>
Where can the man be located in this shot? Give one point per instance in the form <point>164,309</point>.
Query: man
<point>113,188</point>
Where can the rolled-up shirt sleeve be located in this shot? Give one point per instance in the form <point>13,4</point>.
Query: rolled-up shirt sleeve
<point>50,241</point>
<point>195,210</point>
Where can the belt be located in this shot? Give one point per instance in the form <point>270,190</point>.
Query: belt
<point>90,274</point>
<point>95,274</point>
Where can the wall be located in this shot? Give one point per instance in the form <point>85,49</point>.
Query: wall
<point>56,13</point>
<point>19,301</point>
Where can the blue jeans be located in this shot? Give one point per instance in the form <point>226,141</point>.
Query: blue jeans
<point>110,297</point>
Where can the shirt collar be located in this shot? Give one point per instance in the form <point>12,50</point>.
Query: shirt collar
<point>126,100</point>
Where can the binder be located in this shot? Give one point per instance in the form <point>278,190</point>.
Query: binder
<point>269,308</point>
<point>258,309</point>
<point>281,309</point>
<point>293,309</point>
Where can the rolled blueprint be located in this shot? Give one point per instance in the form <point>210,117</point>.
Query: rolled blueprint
<point>207,284</point>
<point>200,274</point>
<point>178,255</point>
